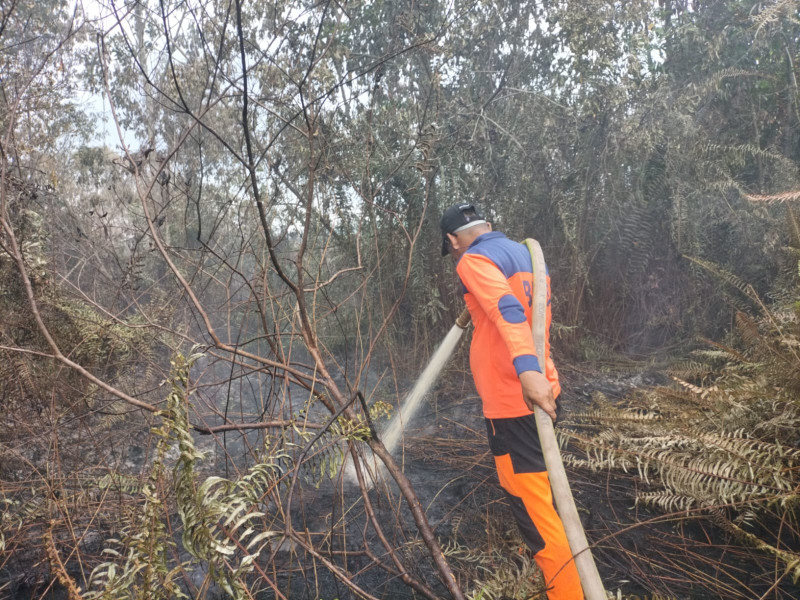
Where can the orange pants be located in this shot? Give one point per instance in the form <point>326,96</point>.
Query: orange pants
<point>520,468</point>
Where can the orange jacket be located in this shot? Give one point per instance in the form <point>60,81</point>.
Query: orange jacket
<point>498,288</point>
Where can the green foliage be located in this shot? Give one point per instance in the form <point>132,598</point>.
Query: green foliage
<point>144,572</point>
<point>220,517</point>
<point>95,338</point>
<point>324,459</point>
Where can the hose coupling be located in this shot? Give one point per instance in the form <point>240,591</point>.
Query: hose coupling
<point>463,319</point>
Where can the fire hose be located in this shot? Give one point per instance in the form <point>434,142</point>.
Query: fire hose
<point>587,570</point>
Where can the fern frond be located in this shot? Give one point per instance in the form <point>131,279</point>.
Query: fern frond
<point>791,560</point>
<point>731,72</point>
<point>748,329</point>
<point>774,198</point>
<point>601,453</point>
<point>599,463</point>
<point>785,419</point>
<point>741,151</point>
<point>772,13</point>
<point>735,300</point>
<point>696,390</point>
<point>725,276</point>
<point>716,356</point>
<point>219,516</point>
<point>725,349</point>
<point>725,186</point>
<point>733,444</point>
<point>751,450</point>
<point>120,482</point>
<point>690,370</point>
<point>696,91</point>
<point>671,396</point>
<point>514,577</point>
<point>712,479</point>
<point>57,566</point>
<point>144,572</point>
<point>666,500</point>
<point>635,230</point>
<point>614,415</point>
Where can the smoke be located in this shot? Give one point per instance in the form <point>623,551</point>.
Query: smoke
<point>393,435</point>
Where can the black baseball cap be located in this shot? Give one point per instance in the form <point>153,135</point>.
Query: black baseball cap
<point>457,218</point>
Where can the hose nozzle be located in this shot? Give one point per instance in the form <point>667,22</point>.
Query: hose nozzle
<point>463,319</point>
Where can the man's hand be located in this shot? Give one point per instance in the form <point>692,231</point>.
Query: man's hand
<point>537,391</point>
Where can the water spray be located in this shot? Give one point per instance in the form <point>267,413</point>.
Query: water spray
<point>587,570</point>
<point>412,403</point>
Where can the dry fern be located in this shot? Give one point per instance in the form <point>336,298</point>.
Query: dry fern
<point>729,278</point>
<point>57,566</point>
<point>691,369</point>
<point>724,441</point>
<point>774,198</point>
<point>773,12</point>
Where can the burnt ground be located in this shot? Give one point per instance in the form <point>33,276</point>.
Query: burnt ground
<point>639,553</point>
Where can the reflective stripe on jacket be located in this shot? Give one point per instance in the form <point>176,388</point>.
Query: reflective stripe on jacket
<point>498,288</point>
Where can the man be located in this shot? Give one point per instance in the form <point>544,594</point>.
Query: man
<point>511,380</point>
